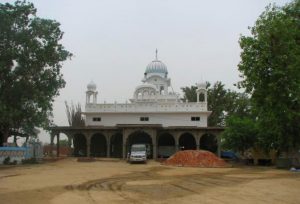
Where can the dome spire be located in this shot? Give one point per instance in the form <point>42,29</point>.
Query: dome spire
<point>156,67</point>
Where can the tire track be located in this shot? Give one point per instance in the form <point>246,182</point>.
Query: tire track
<point>114,185</point>
<point>128,188</point>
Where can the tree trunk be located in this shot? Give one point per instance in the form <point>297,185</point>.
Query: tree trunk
<point>5,135</point>
<point>15,140</point>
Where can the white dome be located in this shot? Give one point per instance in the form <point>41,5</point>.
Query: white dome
<point>156,66</point>
<point>201,85</point>
<point>91,86</point>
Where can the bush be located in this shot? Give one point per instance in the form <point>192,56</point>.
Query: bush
<point>6,161</point>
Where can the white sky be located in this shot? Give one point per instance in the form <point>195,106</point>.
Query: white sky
<point>114,40</point>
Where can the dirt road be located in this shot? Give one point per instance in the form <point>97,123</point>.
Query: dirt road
<point>114,181</point>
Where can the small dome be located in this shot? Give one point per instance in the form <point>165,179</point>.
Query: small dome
<point>201,85</point>
<point>156,66</point>
<point>91,86</point>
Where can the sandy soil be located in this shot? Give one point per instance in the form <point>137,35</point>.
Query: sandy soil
<point>114,181</point>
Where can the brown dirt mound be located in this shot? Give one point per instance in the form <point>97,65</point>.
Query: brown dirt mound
<point>195,158</point>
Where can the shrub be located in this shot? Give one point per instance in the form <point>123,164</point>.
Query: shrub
<point>6,161</point>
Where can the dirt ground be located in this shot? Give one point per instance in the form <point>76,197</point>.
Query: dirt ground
<point>115,181</point>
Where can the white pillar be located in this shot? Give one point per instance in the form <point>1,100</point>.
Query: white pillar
<point>176,137</point>
<point>88,137</point>
<point>154,143</point>
<point>125,136</point>
<point>52,143</point>
<point>95,97</point>
<point>197,143</point>
<point>108,145</point>
<point>87,98</point>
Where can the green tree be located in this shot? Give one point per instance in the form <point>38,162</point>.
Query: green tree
<point>238,104</point>
<point>270,67</point>
<point>240,133</point>
<point>218,103</point>
<point>222,102</point>
<point>216,100</point>
<point>30,68</point>
<point>190,93</point>
<point>64,143</point>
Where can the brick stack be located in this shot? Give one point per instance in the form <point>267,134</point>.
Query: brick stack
<point>195,158</point>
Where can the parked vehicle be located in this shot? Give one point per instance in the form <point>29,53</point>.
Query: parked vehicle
<point>138,153</point>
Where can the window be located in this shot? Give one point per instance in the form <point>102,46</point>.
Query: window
<point>201,97</point>
<point>97,119</point>
<point>196,118</point>
<point>161,89</point>
<point>144,118</point>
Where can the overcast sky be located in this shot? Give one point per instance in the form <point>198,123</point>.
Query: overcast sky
<point>114,40</point>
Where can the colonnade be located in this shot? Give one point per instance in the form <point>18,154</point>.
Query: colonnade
<point>126,133</point>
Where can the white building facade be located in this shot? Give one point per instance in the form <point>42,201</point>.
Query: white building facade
<point>155,115</point>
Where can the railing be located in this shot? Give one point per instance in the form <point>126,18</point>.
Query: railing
<point>147,107</point>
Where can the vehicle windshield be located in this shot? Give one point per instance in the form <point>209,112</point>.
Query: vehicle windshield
<point>138,148</point>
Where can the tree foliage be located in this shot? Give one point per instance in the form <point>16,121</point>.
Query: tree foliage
<point>222,102</point>
<point>217,103</point>
<point>270,67</point>
<point>30,68</point>
<point>74,116</point>
<point>189,93</point>
<point>240,134</point>
<point>64,142</point>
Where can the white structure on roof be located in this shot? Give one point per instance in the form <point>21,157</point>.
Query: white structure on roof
<point>153,103</point>
<point>91,92</point>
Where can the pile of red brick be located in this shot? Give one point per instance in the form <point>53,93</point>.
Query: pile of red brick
<point>195,158</point>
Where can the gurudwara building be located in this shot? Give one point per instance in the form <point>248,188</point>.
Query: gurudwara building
<point>155,116</point>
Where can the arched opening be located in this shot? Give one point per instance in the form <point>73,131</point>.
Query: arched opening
<point>116,149</point>
<point>201,97</point>
<point>64,145</point>
<point>187,142</point>
<point>140,137</point>
<point>98,145</point>
<point>161,89</point>
<point>79,142</point>
<point>166,145</point>
<point>209,142</point>
<point>89,98</point>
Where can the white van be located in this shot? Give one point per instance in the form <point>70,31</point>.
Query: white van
<point>138,153</point>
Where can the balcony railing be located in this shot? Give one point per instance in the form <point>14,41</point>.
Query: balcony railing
<point>147,107</point>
